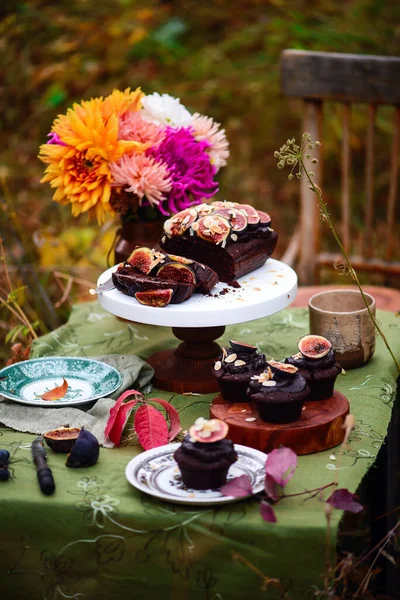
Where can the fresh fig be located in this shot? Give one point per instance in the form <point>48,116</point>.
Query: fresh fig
<point>252,214</point>
<point>155,297</point>
<point>314,346</point>
<point>62,439</point>
<point>85,451</point>
<point>264,217</point>
<point>179,223</point>
<point>180,259</point>
<point>142,259</point>
<point>236,218</point>
<point>208,431</point>
<point>176,272</point>
<point>214,229</point>
<point>282,369</point>
<point>242,347</point>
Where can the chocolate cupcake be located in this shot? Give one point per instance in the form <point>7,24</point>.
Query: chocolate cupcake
<point>279,393</point>
<point>317,363</point>
<point>204,457</point>
<point>235,367</point>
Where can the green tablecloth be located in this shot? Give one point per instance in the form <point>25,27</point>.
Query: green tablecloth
<point>99,538</point>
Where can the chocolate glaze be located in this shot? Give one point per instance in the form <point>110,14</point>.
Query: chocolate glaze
<point>313,364</point>
<point>255,364</point>
<point>209,453</point>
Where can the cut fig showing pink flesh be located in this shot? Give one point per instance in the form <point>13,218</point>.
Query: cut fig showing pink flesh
<point>252,214</point>
<point>180,259</point>
<point>179,223</point>
<point>176,272</point>
<point>264,217</point>
<point>157,298</point>
<point>214,229</point>
<point>242,347</point>
<point>207,436</point>
<point>142,259</point>
<point>282,368</point>
<point>314,346</point>
<point>236,218</point>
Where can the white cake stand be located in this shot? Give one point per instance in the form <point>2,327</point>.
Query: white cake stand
<point>202,319</point>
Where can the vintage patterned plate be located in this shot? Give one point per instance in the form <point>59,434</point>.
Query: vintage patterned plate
<point>87,379</point>
<point>155,472</point>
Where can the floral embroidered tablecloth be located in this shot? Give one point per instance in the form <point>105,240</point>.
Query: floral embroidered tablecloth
<point>98,538</point>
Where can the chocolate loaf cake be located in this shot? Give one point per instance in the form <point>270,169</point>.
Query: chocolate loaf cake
<point>231,238</point>
<point>155,278</point>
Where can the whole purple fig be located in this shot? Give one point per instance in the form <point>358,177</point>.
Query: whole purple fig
<point>85,451</point>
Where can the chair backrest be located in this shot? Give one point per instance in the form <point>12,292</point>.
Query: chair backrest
<point>321,77</point>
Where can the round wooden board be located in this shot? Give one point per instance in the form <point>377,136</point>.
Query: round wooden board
<point>319,427</point>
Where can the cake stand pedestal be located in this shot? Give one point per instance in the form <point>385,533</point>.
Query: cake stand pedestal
<point>199,321</point>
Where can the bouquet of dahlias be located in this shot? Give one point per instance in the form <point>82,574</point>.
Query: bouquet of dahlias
<point>115,154</point>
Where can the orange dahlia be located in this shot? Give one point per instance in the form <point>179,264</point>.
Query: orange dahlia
<point>85,142</point>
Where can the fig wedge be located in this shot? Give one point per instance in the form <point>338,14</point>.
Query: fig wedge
<point>214,229</point>
<point>179,223</point>
<point>242,347</point>
<point>282,369</point>
<point>252,214</point>
<point>208,431</point>
<point>142,259</point>
<point>62,439</point>
<point>157,298</point>
<point>236,217</point>
<point>176,272</point>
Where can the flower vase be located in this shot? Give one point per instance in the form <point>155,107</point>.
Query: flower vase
<point>136,233</point>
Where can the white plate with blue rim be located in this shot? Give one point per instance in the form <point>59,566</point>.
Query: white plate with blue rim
<point>28,381</point>
<point>155,472</point>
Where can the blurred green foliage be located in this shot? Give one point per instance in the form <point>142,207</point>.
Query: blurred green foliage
<point>220,57</point>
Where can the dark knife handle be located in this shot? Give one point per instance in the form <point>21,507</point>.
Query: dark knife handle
<point>46,481</point>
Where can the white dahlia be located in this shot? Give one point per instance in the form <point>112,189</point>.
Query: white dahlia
<point>165,110</point>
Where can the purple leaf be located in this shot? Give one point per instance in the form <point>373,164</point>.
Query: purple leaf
<point>281,465</point>
<point>345,500</point>
<point>238,487</point>
<point>267,512</point>
<point>271,488</point>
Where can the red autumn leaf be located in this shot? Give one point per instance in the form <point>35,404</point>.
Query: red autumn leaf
<point>271,488</point>
<point>151,427</point>
<point>119,414</point>
<point>175,422</point>
<point>267,512</point>
<point>57,392</point>
<point>281,465</point>
<point>238,487</point>
<point>345,500</point>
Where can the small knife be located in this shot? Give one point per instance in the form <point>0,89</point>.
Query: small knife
<point>44,474</point>
<point>103,287</point>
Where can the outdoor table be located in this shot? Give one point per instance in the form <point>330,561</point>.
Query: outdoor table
<point>99,538</point>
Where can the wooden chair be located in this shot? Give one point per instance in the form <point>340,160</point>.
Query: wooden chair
<point>349,79</point>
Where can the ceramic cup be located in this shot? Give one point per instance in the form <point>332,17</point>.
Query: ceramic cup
<point>342,317</point>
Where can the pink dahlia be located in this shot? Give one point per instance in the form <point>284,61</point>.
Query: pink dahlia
<point>133,127</point>
<point>145,177</point>
<point>208,130</point>
<point>189,166</point>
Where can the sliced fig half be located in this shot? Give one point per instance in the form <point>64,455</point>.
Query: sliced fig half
<point>180,259</point>
<point>155,297</point>
<point>242,347</point>
<point>62,439</point>
<point>179,223</point>
<point>208,431</point>
<point>264,217</point>
<point>142,258</point>
<point>223,204</point>
<point>236,217</point>
<point>214,229</point>
<point>282,369</point>
<point>314,346</point>
<point>176,272</point>
<point>252,214</point>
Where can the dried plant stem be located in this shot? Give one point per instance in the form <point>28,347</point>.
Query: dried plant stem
<point>266,581</point>
<point>326,217</point>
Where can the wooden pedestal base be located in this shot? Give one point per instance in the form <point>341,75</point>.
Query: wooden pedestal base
<point>319,427</point>
<point>188,368</point>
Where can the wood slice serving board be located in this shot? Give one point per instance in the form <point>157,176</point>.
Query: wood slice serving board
<point>319,427</point>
